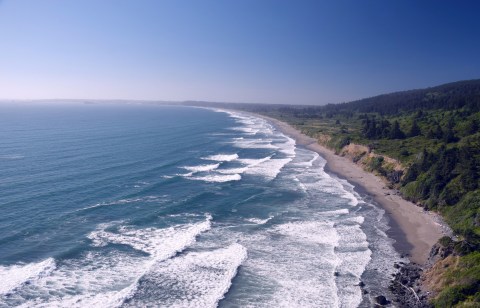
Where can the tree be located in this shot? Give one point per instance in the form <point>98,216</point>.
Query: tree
<point>385,128</point>
<point>396,132</point>
<point>414,130</point>
<point>468,167</point>
<point>472,126</point>
<point>449,136</point>
<point>438,132</point>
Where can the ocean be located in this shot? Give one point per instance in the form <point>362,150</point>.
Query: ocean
<point>134,205</point>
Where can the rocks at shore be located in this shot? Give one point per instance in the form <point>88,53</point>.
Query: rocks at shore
<point>406,287</point>
<point>381,300</point>
<point>440,251</point>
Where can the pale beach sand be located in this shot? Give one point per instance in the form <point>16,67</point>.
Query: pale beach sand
<point>414,230</point>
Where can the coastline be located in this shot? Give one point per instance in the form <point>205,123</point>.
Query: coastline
<point>414,230</point>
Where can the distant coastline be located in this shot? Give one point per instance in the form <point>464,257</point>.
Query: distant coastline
<point>414,230</point>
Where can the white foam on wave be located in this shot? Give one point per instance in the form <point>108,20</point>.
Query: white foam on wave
<point>101,281</point>
<point>161,243</point>
<point>201,168</point>
<point>218,178</point>
<point>356,219</point>
<point>245,120</point>
<point>335,212</point>
<point>252,124</point>
<point>352,249</point>
<point>196,279</point>
<point>269,168</point>
<point>294,264</point>
<point>221,157</point>
<point>300,184</point>
<point>321,232</point>
<point>259,221</point>
<point>214,175</point>
<point>335,187</point>
<point>239,170</point>
<point>108,279</point>
<point>351,194</point>
<point>255,144</point>
<point>217,110</point>
<point>354,254</point>
<point>266,167</point>
<point>246,130</point>
<point>15,275</point>
<point>288,147</point>
<point>251,162</point>
<point>100,300</point>
<point>332,184</point>
<point>308,163</point>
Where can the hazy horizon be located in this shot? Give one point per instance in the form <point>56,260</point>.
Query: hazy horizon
<point>275,52</point>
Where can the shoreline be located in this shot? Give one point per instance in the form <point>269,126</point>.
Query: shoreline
<point>414,230</point>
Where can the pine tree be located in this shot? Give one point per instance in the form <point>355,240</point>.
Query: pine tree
<point>438,132</point>
<point>472,126</point>
<point>396,132</point>
<point>414,130</point>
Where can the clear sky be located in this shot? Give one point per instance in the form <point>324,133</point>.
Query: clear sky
<point>308,52</point>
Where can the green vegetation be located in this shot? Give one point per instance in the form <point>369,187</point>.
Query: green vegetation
<point>462,279</point>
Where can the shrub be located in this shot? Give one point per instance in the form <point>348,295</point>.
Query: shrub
<point>450,297</point>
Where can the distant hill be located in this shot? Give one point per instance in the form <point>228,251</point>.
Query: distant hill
<point>450,96</point>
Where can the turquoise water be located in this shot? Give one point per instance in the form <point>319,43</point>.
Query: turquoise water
<point>133,205</point>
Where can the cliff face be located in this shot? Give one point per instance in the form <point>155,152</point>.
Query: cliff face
<point>389,169</point>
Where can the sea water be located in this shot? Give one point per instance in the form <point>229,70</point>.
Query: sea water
<point>131,205</point>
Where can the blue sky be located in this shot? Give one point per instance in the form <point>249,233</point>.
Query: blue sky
<point>299,52</point>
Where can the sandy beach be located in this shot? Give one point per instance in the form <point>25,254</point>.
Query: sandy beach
<point>414,230</point>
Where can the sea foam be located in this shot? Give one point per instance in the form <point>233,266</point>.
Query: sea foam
<point>162,243</point>
<point>201,168</point>
<point>102,279</point>
<point>15,275</point>
<point>196,279</point>
<point>221,157</point>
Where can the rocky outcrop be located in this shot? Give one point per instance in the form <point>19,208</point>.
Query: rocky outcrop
<point>406,287</point>
<point>414,285</point>
<point>439,252</point>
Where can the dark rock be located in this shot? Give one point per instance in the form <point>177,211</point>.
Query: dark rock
<point>440,252</point>
<point>361,284</point>
<point>336,274</point>
<point>381,300</point>
<point>396,265</point>
<point>405,289</point>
